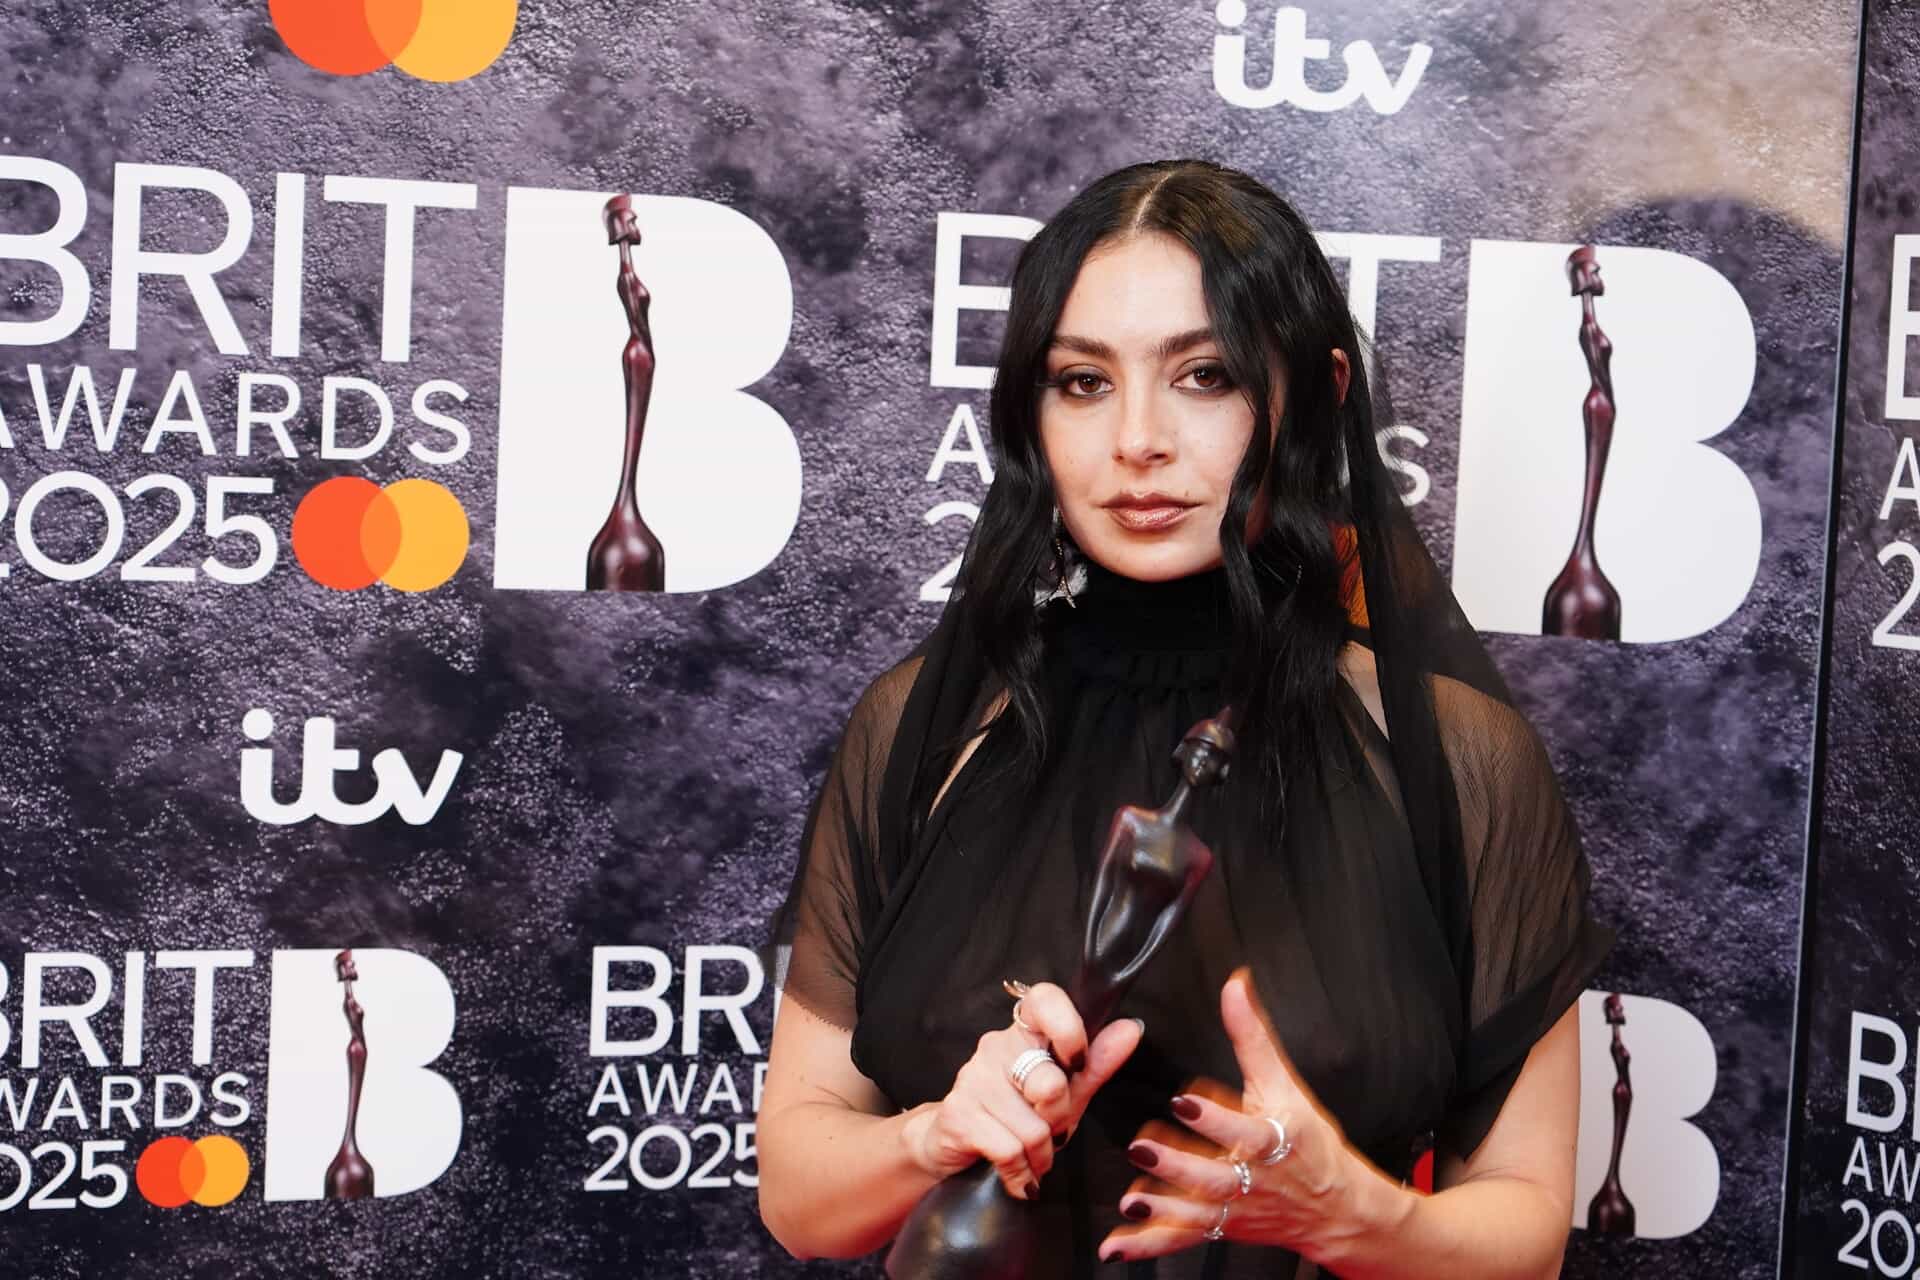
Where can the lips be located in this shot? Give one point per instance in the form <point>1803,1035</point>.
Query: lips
<point>1147,512</point>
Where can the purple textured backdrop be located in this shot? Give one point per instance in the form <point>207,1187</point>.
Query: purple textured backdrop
<point>1863,891</point>
<point>638,768</point>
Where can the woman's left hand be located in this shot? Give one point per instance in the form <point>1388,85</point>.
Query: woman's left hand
<point>1300,1201</point>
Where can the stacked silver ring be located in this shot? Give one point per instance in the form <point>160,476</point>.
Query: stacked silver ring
<point>1245,1175</point>
<point>1025,1065</point>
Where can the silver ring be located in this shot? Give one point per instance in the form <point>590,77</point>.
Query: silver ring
<point>1018,990</point>
<point>1024,1065</point>
<point>1244,1174</point>
<point>1282,1147</point>
<point>1218,1231</point>
<point>1021,1022</point>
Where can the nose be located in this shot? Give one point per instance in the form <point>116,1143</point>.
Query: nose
<point>1142,438</point>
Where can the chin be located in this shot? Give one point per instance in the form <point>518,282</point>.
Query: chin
<point>1156,563</point>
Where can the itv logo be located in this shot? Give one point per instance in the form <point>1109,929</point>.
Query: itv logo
<point>399,790</point>
<point>1292,49</point>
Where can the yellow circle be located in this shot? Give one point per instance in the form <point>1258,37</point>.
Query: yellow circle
<point>433,535</point>
<point>458,38</point>
<point>227,1169</point>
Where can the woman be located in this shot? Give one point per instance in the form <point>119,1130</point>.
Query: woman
<point>1385,955</point>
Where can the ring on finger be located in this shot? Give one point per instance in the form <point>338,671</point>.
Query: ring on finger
<point>1282,1145</point>
<point>1023,1066</point>
<point>1218,1231</point>
<point>1018,990</point>
<point>1021,1022</point>
<point>1242,1172</point>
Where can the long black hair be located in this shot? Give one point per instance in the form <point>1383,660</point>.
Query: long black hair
<point>1278,314</point>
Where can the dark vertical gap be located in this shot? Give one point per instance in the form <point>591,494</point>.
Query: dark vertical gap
<point>1790,1184</point>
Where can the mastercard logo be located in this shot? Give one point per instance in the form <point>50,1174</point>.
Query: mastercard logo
<point>441,40</point>
<point>211,1171</point>
<point>349,533</point>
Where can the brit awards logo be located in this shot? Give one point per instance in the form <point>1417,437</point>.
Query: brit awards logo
<point>134,1076</point>
<point>350,1089</point>
<point>1559,405</point>
<point>1643,1166</point>
<point>634,455</point>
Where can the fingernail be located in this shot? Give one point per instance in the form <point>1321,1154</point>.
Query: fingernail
<point>1142,1155</point>
<point>1140,1023</point>
<point>1033,1191</point>
<point>1059,1139</point>
<point>1139,1210</point>
<point>1078,1064</point>
<point>1186,1108</point>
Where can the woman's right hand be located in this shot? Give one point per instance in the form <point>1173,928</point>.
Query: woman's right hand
<point>1017,1130</point>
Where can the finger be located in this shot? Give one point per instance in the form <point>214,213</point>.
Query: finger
<point>1158,1225</point>
<point>1052,1016</point>
<point>1255,1046</point>
<point>1001,1148</point>
<point>1046,1090</point>
<point>1228,1128</point>
<point>1180,1214</point>
<point>1034,1134</point>
<point>1136,1242</point>
<point>1202,1177</point>
<point>1106,1055</point>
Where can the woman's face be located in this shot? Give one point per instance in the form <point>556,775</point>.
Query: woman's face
<point>1140,425</point>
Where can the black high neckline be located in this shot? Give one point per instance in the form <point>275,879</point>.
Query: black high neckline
<point>1185,615</point>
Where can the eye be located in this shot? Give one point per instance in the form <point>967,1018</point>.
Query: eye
<point>1078,384</point>
<point>1206,377</point>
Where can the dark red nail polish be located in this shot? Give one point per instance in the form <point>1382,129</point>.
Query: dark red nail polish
<point>1142,1155</point>
<point>1078,1064</point>
<point>1059,1139</point>
<point>1033,1191</point>
<point>1186,1108</point>
<point>1139,1211</point>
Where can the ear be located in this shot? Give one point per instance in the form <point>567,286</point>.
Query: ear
<point>1342,374</point>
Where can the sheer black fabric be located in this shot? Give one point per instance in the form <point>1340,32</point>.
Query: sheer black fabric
<point>1416,922</point>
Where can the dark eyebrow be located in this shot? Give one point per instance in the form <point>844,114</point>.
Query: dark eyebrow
<point>1169,346</point>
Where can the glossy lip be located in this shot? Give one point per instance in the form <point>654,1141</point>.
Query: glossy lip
<point>1147,512</point>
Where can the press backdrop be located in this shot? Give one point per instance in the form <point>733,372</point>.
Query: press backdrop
<point>312,405</point>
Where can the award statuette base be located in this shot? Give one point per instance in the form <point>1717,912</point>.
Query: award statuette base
<point>972,1230</point>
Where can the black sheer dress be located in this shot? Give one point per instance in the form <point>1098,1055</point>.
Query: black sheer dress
<point>1410,1031</point>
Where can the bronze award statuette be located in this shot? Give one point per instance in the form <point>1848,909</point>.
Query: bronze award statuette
<point>968,1227</point>
<point>625,556</point>
<point>350,1177</point>
<point>1581,602</point>
<point>1611,1213</point>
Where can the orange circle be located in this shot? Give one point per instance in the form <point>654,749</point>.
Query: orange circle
<point>456,39</point>
<point>159,1172</point>
<point>327,533</point>
<point>346,37</point>
<point>435,534</point>
<point>224,1170</point>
